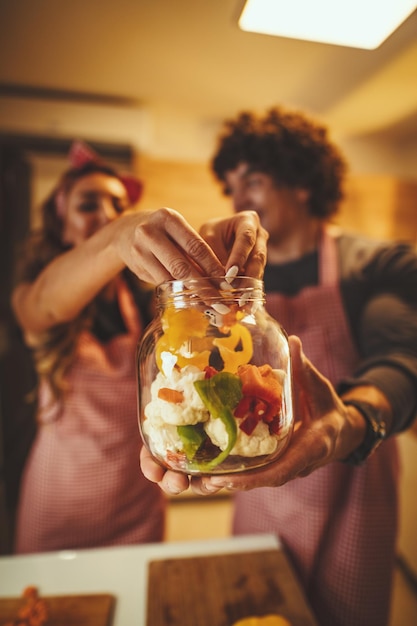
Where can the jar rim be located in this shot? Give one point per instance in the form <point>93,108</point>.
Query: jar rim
<point>237,282</point>
<point>211,289</point>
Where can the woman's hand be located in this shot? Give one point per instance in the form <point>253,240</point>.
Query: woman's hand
<point>160,245</point>
<point>325,431</point>
<point>239,240</point>
<point>156,245</point>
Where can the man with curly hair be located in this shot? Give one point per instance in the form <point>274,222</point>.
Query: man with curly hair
<point>353,303</point>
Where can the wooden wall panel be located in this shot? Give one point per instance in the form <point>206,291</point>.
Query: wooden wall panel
<point>380,206</point>
<point>188,187</point>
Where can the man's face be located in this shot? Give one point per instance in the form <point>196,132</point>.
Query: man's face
<point>279,207</point>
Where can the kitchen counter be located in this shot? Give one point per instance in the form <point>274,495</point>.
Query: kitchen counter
<point>121,571</point>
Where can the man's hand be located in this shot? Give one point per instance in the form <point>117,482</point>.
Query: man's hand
<point>238,241</point>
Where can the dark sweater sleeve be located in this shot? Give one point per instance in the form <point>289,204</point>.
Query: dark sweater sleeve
<point>395,382</point>
<point>381,292</point>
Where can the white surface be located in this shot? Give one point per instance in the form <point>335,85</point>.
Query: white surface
<point>121,571</point>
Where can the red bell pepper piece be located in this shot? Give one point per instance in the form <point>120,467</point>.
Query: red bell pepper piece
<point>210,371</point>
<point>262,398</point>
<point>260,382</point>
<point>275,425</point>
<point>244,407</point>
<point>249,424</point>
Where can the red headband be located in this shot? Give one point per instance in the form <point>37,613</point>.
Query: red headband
<point>80,154</point>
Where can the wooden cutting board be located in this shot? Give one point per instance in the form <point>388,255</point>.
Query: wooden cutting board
<point>218,590</point>
<point>74,610</point>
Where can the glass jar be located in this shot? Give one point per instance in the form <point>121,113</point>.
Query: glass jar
<point>214,378</point>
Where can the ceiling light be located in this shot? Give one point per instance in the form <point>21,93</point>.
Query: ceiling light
<point>354,23</point>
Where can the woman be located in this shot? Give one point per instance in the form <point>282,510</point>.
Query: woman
<point>82,309</point>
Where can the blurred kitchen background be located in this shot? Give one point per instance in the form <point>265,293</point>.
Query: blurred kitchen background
<point>147,83</point>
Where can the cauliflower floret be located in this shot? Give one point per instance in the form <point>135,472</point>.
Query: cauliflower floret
<point>258,443</point>
<point>190,411</point>
<point>162,436</point>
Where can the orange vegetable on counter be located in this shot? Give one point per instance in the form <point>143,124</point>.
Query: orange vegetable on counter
<point>265,620</point>
<point>33,612</point>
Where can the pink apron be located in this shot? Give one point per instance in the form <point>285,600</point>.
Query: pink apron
<point>338,524</point>
<point>82,484</point>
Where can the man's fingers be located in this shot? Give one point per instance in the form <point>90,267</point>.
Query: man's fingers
<point>249,247</point>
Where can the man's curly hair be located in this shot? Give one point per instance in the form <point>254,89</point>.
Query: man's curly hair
<point>291,148</point>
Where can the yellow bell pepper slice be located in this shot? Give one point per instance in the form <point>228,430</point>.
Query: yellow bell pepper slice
<point>185,337</point>
<point>239,337</point>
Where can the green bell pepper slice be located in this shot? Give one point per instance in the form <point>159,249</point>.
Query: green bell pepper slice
<point>220,394</point>
<point>192,437</point>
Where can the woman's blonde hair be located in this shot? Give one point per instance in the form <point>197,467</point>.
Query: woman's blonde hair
<point>57,347</point>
